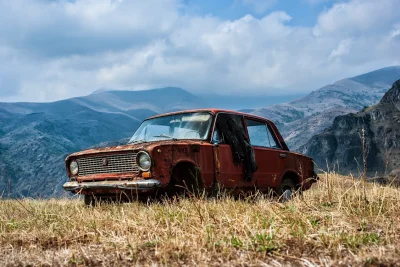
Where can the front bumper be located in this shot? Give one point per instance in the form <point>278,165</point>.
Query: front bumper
<point>140,185</point>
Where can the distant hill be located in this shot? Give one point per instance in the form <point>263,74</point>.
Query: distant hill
<point>300,119</point>
<point>35,138</point>
<point>340,144</point>
<point>130,102</point>
<point>245,102</point>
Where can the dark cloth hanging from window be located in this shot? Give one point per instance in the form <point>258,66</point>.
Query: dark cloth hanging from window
<point>234,133</point>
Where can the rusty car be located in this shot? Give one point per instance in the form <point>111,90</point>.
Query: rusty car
<point>191,150</point>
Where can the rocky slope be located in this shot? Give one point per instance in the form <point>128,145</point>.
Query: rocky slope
<point>340,145</point>
<point>299,120</point>
<point>36,137</point>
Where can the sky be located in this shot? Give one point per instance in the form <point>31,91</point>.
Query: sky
<point>57,49</point>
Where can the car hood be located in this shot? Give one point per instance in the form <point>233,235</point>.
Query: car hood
<point>141,146</point>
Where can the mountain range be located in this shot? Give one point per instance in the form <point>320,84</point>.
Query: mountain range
<point>340,146</point>
<point>300,119</point>
<point>36,137</point>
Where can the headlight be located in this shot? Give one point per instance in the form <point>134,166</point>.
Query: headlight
<point>143,161</point>
<point>74,168</point>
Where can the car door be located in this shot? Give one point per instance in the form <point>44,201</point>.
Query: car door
<point>228,174</point>
<point>269,156</point>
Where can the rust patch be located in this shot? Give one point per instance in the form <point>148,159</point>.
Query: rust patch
<point>195,148</point>
<point>217,161</point>
<point>181,150</point>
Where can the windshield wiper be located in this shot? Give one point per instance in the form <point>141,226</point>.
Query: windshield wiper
<point>165,136</point>
<point>136,141</point>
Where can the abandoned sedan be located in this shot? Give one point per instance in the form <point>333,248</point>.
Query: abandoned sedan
<point>191,150</point>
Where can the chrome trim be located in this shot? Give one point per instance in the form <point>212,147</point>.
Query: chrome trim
<point>136,185</point>
<point>137,161</point>
<point>74,174</point>
<point>108,163</point>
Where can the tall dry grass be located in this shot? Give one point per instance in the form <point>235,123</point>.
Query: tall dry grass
<point>334,223</point>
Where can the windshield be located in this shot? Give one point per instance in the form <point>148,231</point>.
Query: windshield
<point>174,127</point>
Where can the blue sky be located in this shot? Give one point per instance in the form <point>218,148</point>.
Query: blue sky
<point>56,49</point>
<point>304,12</point>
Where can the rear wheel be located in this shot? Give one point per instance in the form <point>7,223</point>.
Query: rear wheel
<point>286,189</point>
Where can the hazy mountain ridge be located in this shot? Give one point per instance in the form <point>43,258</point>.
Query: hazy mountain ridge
<point>340,144</point>
<point>126,101</point>
<point>299,120</point>
<point>35,138</point>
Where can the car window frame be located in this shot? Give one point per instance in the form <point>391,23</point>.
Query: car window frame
<point>275,136</point>
<point>215,122</point>
<point>268,128</point>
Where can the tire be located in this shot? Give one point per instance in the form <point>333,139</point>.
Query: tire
<point>93,200</point>
<point>286,190</point>
<point>185,181</point>
<point>89,200</point>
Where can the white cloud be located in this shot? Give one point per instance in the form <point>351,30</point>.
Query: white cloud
<point>124,16</point>
<point>357,17</point>
<point>395,32</point>
<point>62,49</point>
<point>343,49</point>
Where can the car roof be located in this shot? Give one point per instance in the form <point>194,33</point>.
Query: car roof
<point>212,110</point>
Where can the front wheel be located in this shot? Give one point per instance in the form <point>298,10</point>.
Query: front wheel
<point>286,190</point>
<point>93,200</point>
<point>89,200</point>
<point>185,180</point>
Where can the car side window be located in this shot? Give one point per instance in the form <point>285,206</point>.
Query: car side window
<point>259,134</point>
<point>271,139</point>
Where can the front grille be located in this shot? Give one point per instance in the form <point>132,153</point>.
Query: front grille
<point>114,163</point>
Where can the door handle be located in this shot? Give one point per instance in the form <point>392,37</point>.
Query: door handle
<point>282,155</point>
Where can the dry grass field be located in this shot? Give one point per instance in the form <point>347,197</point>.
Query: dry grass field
<point>338,222</point>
